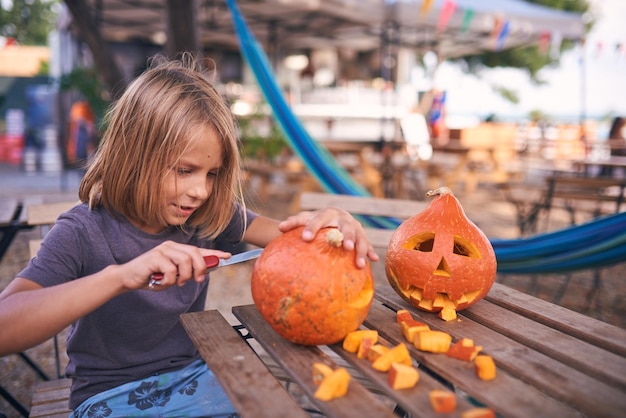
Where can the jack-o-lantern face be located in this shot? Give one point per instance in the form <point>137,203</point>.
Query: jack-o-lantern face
<point>439,258</point>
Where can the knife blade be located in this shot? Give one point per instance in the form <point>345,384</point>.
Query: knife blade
<point>213,262</point>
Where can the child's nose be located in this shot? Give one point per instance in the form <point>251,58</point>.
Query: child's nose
<point>200,190</point>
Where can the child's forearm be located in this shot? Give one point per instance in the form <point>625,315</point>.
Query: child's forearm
<point>30,314</point>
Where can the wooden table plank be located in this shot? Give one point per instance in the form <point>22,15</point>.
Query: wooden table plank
<point>238,368</point>
<point>606,366</point>
<point>583,327</point>
<point>297,360</point>
<point>558,380</point>
<point>507,395</point>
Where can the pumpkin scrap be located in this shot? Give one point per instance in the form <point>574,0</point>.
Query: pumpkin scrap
<point>447,314</point>
<point>364,347</point>
<point>320,372</point>
<point>352,341</point>
<point>411,328</point>
<point>334,385</point>
<point>311,292</point>
<point>432,341</point>
<point>485,367</point>
<point>403,315</point>
<point>439,259</point>
<point>397,354</point>
<point>402,376</point>
<point>442,401</point>
<point>464,349</point>
<point>376,351</point>
<point>478,413</point>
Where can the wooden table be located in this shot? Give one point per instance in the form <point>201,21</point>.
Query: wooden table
<point>552,362</point>
<point>611,163</point>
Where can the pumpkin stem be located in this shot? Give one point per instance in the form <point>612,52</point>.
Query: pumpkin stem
<point>440,191</point>
<point>334,237</point>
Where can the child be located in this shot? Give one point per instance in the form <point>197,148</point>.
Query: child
<point>162,192</point>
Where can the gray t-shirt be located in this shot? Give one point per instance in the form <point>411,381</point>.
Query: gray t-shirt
<point>136,334</point>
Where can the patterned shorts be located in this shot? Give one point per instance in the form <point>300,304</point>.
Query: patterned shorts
<point>190,392</point>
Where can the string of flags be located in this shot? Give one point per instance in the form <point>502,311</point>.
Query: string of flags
<point>549,41</point>
<point>499,33</point>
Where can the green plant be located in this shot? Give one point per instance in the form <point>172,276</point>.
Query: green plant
<point>258,146</point>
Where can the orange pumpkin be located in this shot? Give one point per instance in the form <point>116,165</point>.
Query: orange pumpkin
<point>439,258</point>
<point>311,292</point>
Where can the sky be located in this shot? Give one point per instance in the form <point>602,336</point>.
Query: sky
<point>567,94</point>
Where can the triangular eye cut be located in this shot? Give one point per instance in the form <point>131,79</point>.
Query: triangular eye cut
<point>423,242</point>
<point>465,248</point>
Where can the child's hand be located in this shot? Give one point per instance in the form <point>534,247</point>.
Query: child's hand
<point>178,263</point>
<point>354,235</point>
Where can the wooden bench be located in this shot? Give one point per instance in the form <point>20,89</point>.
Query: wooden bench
<point>50,399</point>
<point>593,195</point>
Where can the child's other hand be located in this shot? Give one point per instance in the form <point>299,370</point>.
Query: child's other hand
<point>354,235</point>
<point>178,264</point>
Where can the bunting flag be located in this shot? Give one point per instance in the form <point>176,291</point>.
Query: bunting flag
<point>544,42</point>
<point>599,48</point>
<point>497,27</point>
<point>425,7</point>
<point>504,32</point>
<point>447,10</point>
<point>468,16</point>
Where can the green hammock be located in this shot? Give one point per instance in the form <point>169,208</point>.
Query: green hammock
<point>599,243</point>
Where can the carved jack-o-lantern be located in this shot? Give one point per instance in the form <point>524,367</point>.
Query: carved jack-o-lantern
<point>311,293</point>
<point>439,258</point>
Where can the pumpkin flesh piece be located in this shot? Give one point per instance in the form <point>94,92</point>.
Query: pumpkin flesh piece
<point>402,376</point>
<point>334,385</point>
<point>442,401</point>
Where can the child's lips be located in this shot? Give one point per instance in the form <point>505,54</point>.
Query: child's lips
<point>186,210</point>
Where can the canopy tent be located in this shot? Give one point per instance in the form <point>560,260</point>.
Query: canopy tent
<point>598,243</point>
<point>352,24</point>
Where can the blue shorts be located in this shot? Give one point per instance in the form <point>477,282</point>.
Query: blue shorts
<point>190,392</point>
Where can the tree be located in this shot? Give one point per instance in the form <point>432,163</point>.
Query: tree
<point>530,58</point>
<point>100,49</point>
<point>28,21</point>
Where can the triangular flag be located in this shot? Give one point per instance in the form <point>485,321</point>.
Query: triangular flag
<point>599,48</point>
<point>497,27</point>
<point>425,7</point>
<point>467,20</point>
<point>504,32</point>
<point>447,10</point>
<point>544,42</point>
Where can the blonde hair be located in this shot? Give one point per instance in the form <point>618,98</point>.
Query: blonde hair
<point>148,129</point>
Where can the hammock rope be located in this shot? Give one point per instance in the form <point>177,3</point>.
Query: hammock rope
<point>598,243</point>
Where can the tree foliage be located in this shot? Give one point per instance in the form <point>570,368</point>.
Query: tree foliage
<point>529,58</point>
<point>28,21</point>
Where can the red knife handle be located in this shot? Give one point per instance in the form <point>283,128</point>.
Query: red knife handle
<point>210,260</point>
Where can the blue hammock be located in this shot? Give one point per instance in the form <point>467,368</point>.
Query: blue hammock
<point>599,243</point>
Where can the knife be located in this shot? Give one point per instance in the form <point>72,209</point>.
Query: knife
<point>213,262</point>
